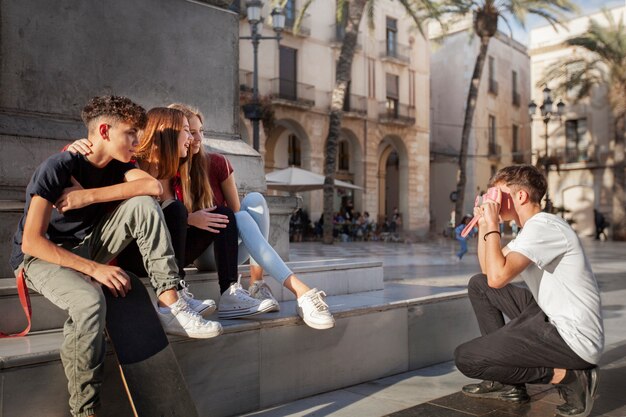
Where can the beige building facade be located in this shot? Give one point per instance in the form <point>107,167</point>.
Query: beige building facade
<point>384,144</point>
<point>500,134</point>
<point>582,140</point>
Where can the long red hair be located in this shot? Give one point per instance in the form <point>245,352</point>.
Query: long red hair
<point>197,193</point>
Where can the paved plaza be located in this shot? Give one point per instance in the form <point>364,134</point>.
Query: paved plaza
<point>433,391</point>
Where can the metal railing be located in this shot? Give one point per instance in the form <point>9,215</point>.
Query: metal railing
<point>245,80</point>
<point>401,113</point>
<point>494,150</point>
<point>518,157</point>
<point>293,91</point>
<point>394,50</point>
<point>517,99</point>
<point>355,104</point>
<point>569,156</point>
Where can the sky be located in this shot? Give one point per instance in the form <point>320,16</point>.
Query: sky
<point>585,6</point>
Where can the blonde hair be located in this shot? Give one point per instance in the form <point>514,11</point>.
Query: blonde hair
<point>197,193</point>
<point>158,148</point>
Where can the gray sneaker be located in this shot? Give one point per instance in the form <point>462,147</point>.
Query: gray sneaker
<point>261,291</point>
<point>179,319</point>
<point>202,307</point>
<point>236,302</point>
<point>314,310</point>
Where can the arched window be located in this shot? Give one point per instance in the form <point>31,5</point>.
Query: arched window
<point>295,154</point>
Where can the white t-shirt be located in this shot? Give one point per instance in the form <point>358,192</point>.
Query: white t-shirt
<point>561,280</point>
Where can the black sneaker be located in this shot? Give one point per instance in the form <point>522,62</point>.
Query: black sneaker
<point>578,394</point>
<point>498,391</point>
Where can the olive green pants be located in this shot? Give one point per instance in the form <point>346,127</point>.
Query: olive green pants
<point>83,348</point>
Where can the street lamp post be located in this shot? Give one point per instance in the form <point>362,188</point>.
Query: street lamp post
<point>252,110</point>
<point>547,113</point>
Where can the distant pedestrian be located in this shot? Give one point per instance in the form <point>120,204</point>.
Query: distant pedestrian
<point>462,240</point>
<point>601,224</point>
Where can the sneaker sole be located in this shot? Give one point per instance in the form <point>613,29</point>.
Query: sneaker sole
<point>203,335</point>
<point>207,311</point>
<point>317,326</point>
<point>234,314</point>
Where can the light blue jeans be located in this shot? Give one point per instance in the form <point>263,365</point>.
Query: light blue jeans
<point>253,224</point>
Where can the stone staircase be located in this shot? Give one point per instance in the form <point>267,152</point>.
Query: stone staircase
<point>382,329</point>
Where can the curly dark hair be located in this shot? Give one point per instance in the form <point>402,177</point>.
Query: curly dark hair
<point>118,107</point>
<point>524,176</point>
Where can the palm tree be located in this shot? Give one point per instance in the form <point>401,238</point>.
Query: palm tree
<point>350,13</point>
<point>603,65</point>
<point>487,13</point>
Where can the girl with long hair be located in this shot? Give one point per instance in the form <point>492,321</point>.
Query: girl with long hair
<point>212,174</point>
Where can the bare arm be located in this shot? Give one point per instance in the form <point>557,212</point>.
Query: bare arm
<point>35,243</point>
<point>137,183</point>
<point>500,266</point>
<point>229,189</point>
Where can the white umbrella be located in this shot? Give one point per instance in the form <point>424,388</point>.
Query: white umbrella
<point>296,179</point>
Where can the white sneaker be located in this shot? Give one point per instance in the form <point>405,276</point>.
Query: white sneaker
<point>236,302</point>
<point>202,307</point>
<point>261,291</point>
<point>179,319</point>
<point>314,310</point>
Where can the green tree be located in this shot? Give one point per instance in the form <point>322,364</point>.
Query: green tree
<point>349,14</point>
<point>604,65</point>
<point>486,14</point>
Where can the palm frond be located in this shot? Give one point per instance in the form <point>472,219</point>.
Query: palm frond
<point>300,16</point>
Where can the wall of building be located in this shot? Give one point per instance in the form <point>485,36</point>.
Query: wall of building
<point>369,139</point>
<point>586,183</point>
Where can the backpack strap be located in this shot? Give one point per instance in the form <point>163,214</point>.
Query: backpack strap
<point>22,291</point>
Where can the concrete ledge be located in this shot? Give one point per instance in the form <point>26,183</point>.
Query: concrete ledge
<point>335,277</point>
<point>267,359</point>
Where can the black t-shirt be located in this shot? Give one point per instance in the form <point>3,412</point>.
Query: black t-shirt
<point>50,179</point>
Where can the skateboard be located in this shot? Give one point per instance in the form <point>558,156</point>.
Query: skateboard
<point>150,372</point>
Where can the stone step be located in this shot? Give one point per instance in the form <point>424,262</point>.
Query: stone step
<point>268,359</point>
<point>334,277</point>
<point>10,213</point>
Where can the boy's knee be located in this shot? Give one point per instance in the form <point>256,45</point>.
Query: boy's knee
<point>89,309</point>
<point>477,284</point>
<point>141,201</point>
<point>464,361</point>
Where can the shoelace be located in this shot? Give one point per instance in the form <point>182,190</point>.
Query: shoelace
<point>185,289</point>
<point>265,291</point>
<point>196,317</point>
<point>318,302</point>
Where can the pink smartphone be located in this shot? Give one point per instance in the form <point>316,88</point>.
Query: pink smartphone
<point>491,194</point>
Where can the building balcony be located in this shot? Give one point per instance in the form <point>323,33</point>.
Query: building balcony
<point>571,156</point>
<point>339,33</point>
<point>390,51</point>
<point>245,80</point>
<point>353,105</point>
<point>494,151</point>
<point>292,93</point>
<point>305,24</point>
<point>400,114</point>
<point>517,99</point>
<point>518,157</point>
<point>493,86</point>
